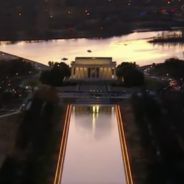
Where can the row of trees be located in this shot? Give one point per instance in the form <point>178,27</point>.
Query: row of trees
<point>160,119</point>
<point>36,143</point>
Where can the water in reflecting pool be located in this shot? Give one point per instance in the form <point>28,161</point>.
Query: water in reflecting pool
<point>93,153</point>
<point>132,47</point>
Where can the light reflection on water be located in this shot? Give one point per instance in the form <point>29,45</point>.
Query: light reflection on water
<point>90,114</point>
<point>132,47</point>
<point>93,153</point>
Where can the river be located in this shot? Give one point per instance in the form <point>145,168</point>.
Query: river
<point>133,47</point>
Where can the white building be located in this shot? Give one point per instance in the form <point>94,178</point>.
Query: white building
<point>93,68</point>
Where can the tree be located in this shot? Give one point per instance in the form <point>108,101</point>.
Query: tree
<point>130,73</point>
<point>63,68</point>
<point>11,171</point>
<point>51,63</point>
<point>56,75</point>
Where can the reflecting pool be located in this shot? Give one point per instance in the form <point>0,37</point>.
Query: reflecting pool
<point>93,152</point>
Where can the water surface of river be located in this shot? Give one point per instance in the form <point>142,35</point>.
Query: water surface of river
<point>132,47</point>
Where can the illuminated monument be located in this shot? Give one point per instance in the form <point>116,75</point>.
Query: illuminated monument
<point>93,68</point>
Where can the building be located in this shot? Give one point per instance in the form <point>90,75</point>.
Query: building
<point>93,68</point>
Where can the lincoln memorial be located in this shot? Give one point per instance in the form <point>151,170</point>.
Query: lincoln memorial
<point>93,68</point>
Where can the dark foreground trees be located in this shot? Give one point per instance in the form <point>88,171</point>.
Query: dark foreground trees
<point>160,119</point>
<point>56,74</point>
<point>130,74</point>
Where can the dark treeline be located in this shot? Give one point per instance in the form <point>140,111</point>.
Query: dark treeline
<point>37,141</point>
<point>169,38</point>
<point>160,119</point>
<point>159,116</point>
<point>172,67</point>
<point>169,41</point>
<point>13,67</point>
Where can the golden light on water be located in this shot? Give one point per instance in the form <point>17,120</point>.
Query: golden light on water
<point>95,109</point>
<point>93,123</point>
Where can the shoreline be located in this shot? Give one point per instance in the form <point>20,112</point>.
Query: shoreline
<point>173,40</point>
<point>4,56</point>
<point>62,34</point>
<point>63,37</point>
